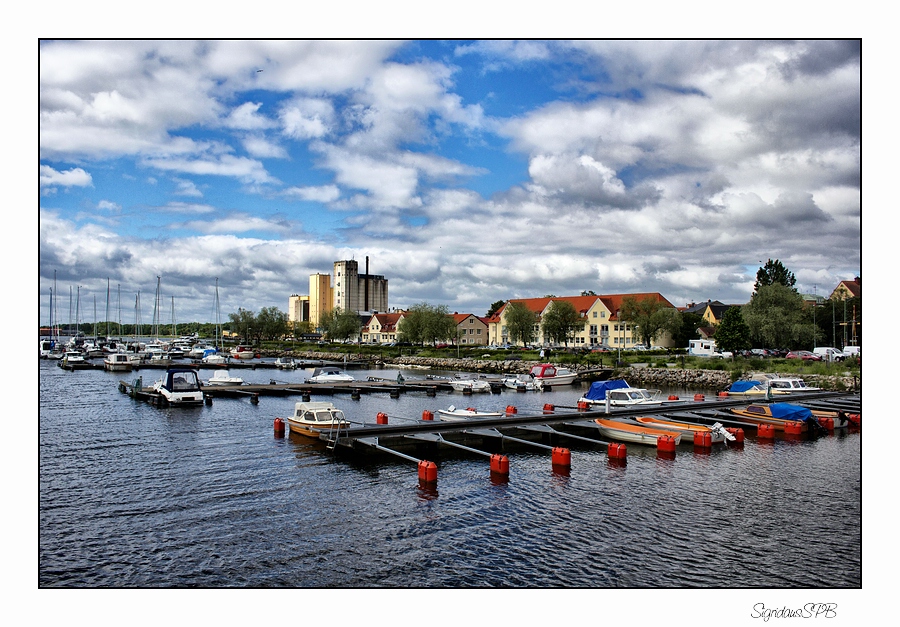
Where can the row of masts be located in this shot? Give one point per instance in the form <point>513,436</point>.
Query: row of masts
<point>56,330</point>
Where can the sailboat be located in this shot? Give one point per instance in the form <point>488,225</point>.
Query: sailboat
<point>213,356</point>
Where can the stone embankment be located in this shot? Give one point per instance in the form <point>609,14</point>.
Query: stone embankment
<point>694,379</point>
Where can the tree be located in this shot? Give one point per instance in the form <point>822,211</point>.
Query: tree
<point>774,272</point>
<point>687,330</point>
<point>271,323</point>
<point>242,323</point>
<point>495,307</point>
<point>778,318</point>
<point>426,324</point>
<point>733,334</point>
<point>520,323</point>
<point>339,324</point>
<point>559,321</point>
<point>649,317</point>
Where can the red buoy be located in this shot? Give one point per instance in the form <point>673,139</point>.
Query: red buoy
<point>738,434</point>
<point>561,457</point>
<point>723,394</point>
<point>827,423</point>
<point>500,464</point>
<point>511,409</point>
<point>381,418</point>
<point>582,405</point>
<point>279,427</point>
<point>549,409</point>
<point>765,431</point>
<point>427,472</point>
<point>672,397</point>
<point>793,428</point>
<point>699,397</point>
<point>703,439</point>
<point>665,443</point>
<point>427,415</point>
<point>616,450</point>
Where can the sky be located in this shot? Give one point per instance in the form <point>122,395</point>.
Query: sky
<point>467,171</point>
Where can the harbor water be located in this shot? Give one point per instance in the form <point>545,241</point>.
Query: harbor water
<point>136,496</point>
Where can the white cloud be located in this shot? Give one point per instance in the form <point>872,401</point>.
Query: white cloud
<point>75,177</point>
<point>322,193</point>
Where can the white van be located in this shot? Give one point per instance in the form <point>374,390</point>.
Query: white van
<point>829,354</point>
<point>851,351</point>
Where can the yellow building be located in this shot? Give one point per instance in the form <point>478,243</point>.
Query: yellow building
<point>298,308</point>
<point>602,325</point>
<point>321,297</point>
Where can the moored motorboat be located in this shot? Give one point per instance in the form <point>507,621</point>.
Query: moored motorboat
<point>118,362</point>
<point>329,375</point>
<point>717,432</point>
<point>180,386</point>
<point>634,432</point>
<point>243,352</point>
<point>285,363</point>
<point>550,375</point>
<point>523,382</point>
<point>311,418</point>
<point>452,414</point>
<point>470,385</point>
<point>221,377</point>
<point>620,394</point>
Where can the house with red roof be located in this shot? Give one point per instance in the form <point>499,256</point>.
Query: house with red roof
<point>603,326</point>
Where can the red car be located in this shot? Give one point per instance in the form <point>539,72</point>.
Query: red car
<point>804,355</point>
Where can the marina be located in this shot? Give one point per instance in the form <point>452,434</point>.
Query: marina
<point>167,481</point>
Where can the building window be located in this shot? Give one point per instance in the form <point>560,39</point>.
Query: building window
<point>595,314</point>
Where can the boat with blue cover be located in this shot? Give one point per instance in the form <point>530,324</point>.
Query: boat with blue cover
<point>620,394</point>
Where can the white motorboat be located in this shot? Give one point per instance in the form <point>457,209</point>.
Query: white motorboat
<point>620,394</point>
<point>180,386</point>
<point>199,351</point>
<point>470,385</point>
<point>72,360</point>
<point>550,375</point>
<point>452,414</point>
<point>243,352</point>
<point>285,363</point>
<point>329,375</point>
<point>310,418</point>
<point>118,362</point>
<point>210,356</point>
<point>524,382</point>
<point>221,377</point>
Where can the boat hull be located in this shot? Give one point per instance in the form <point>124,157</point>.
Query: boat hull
<point>461,415</point>
<point>634,433</point>
<point>687,430</point>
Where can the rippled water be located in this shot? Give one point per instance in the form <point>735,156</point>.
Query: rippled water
<point>137,496</point>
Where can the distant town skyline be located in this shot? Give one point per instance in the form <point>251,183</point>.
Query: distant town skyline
<point>467,171</point>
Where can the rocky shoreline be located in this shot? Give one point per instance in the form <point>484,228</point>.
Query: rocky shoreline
<point>694,379</point>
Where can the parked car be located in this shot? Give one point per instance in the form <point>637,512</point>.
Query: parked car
<point>829,354</point>
<point>804,355</point>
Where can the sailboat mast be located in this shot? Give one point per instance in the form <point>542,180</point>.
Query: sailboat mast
<point>107,309</point>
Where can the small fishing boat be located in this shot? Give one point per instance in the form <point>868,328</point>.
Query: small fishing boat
<point>550,375</point>
<point>620,394</point>
<point>285,363</point>
<point>329,375</point>
<point>470,385</point>
<point>777,415</point>
<point>634,432</point>
<point>118,362</point>
<point>311,418</point>
<point>716,431</point>
<point>222,378</point>
<point>180,386</point>
<point>452,414</point>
